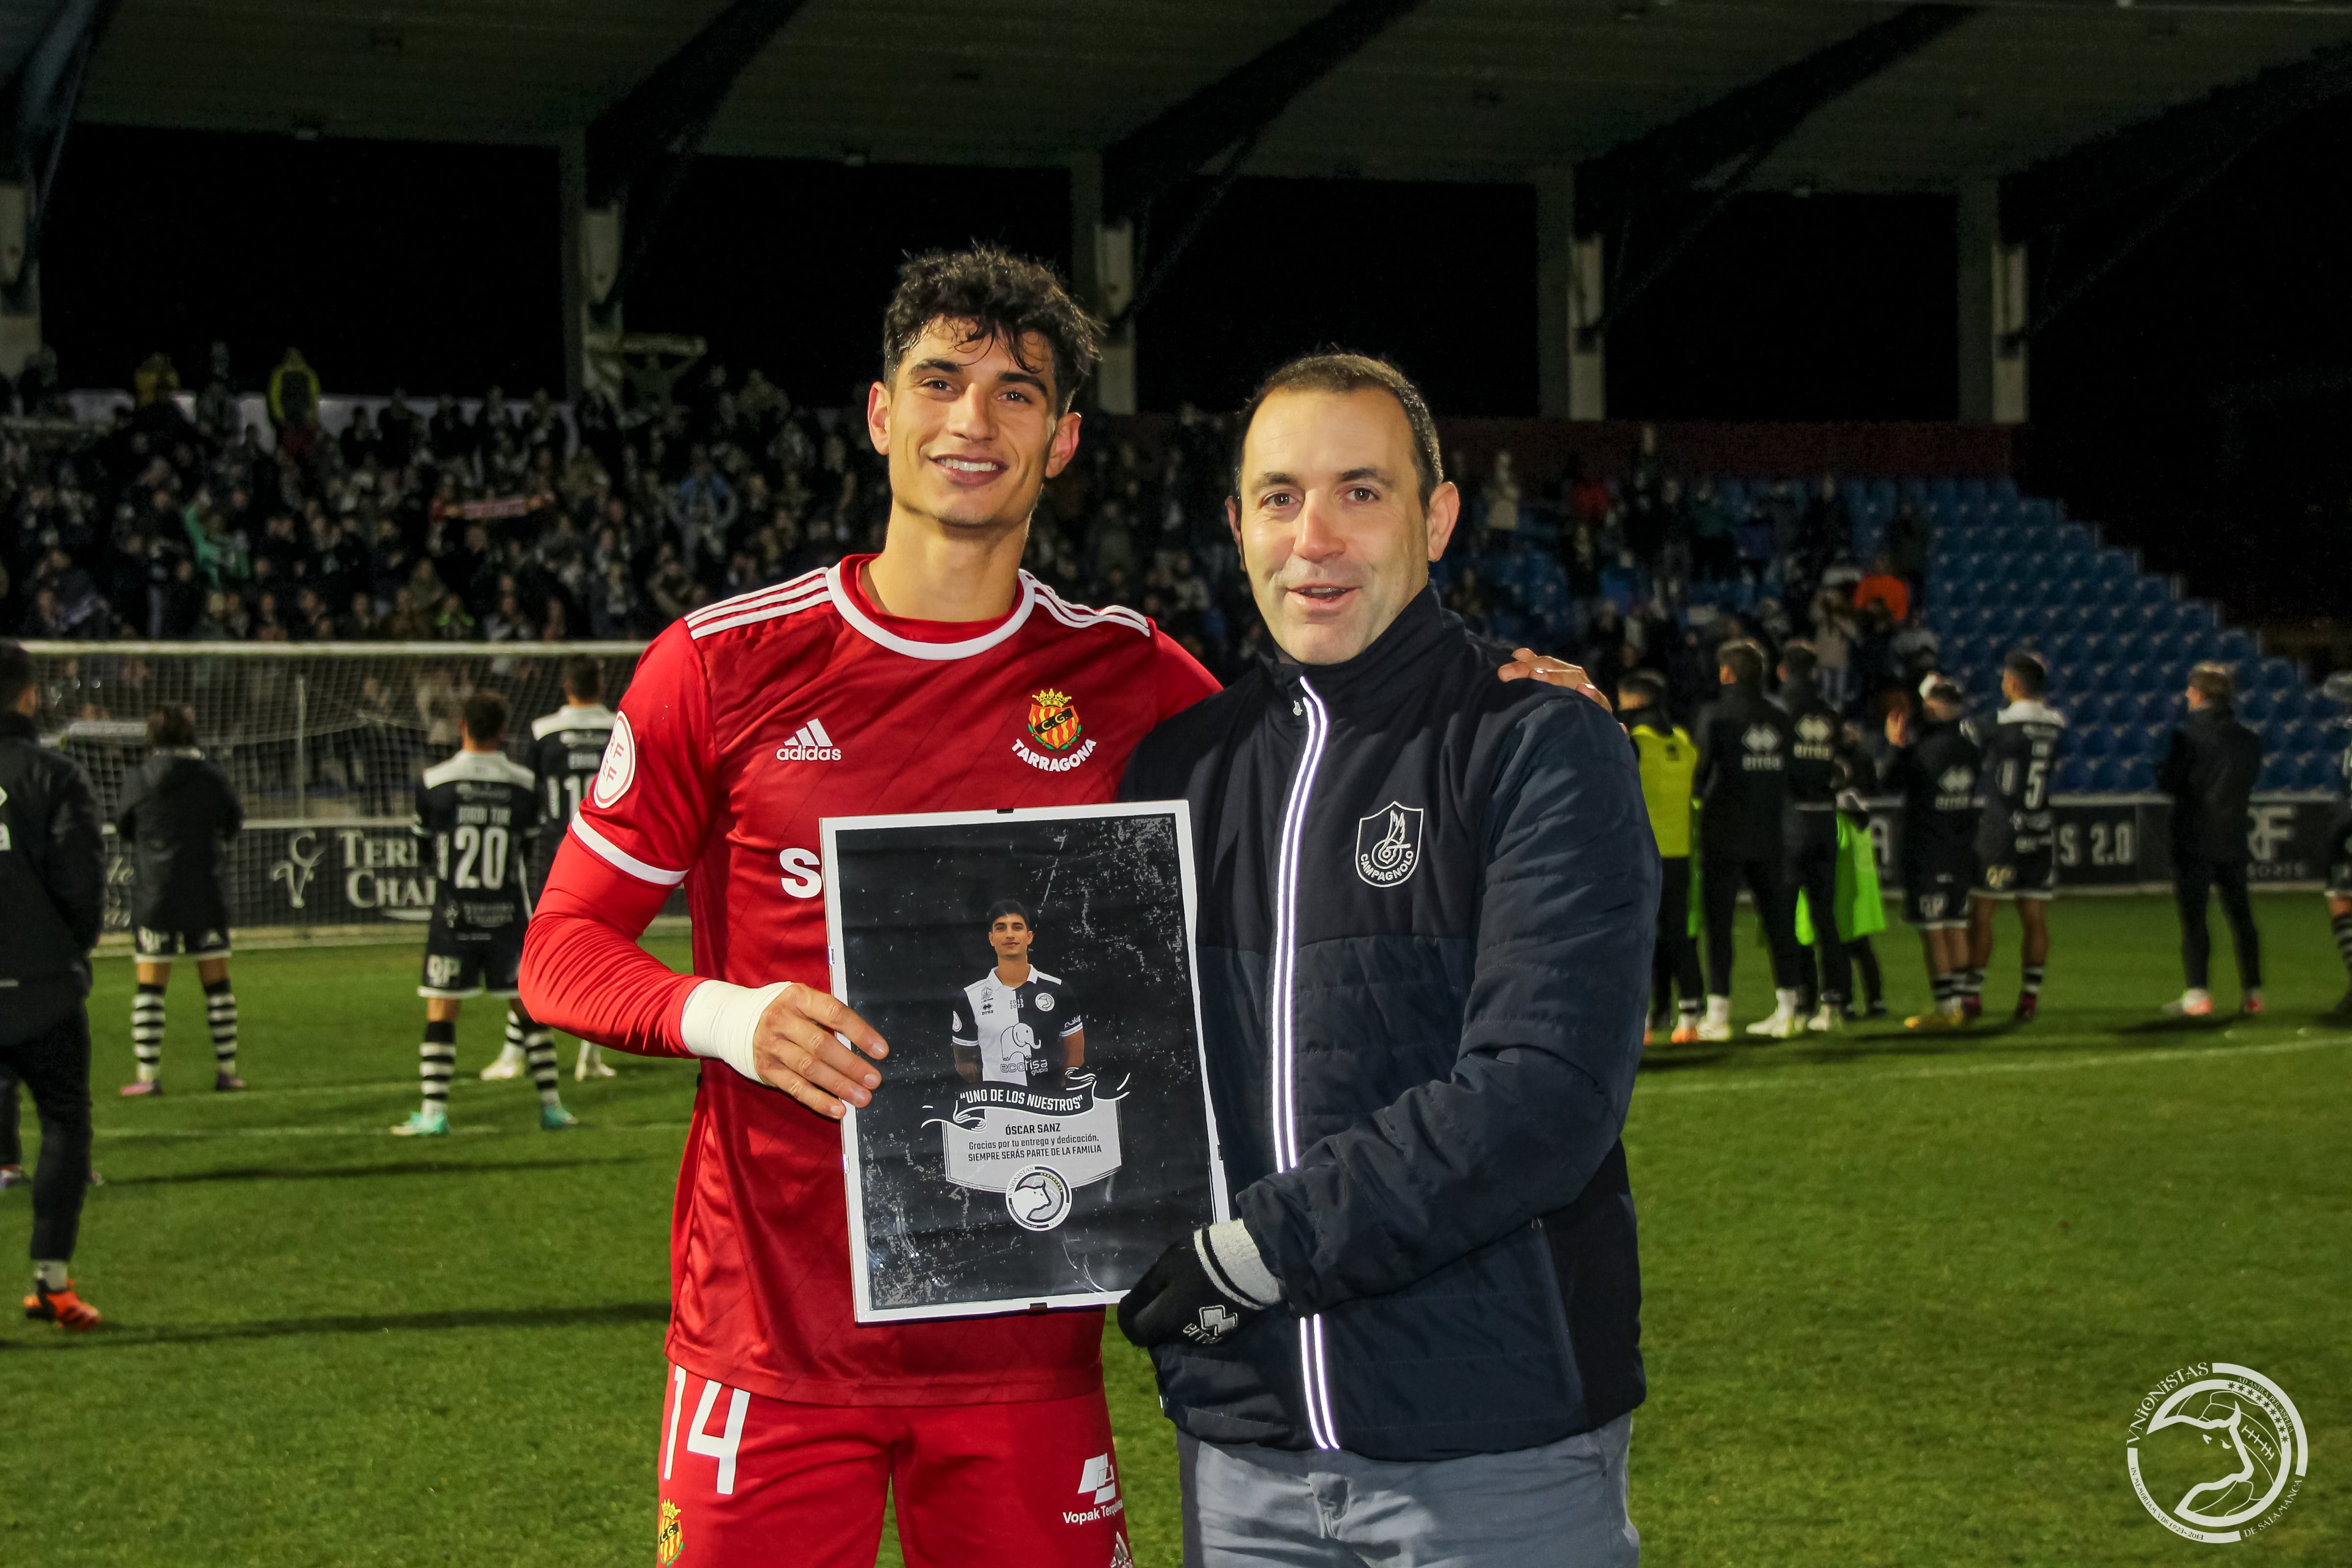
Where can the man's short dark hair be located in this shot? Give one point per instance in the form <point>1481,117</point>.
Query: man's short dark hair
<point>1798,663</point>
<point>1005,906</point>
<point>171,728</point>
<point>1001,297</point>
<point>1645,685</point>
<point>16,673</point>
<point>1745,660</point>
<point>583,677</point>
<point>1946,693</point>
<point>1340,374</point>
<point>2031,672</point>
<point>2215,681</point>
<point>485,717</point>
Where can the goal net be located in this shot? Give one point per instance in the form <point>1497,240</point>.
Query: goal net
<point>324,742</point>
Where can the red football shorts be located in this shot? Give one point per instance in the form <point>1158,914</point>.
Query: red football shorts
<point>751,1482</point>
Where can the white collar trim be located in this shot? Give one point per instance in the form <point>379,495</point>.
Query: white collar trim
<point>2031,712</point>
<point>874,630</point>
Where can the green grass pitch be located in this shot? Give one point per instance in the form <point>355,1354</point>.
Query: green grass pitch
<point>1902,1294</point>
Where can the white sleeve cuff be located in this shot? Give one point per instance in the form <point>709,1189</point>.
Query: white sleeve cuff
<point>1232,1259</point>
<point>722,1020</point>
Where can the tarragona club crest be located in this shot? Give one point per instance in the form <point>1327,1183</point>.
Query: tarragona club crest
<point>1053,720</point>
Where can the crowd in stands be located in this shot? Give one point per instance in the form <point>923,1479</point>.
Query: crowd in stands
<point>507,520</point>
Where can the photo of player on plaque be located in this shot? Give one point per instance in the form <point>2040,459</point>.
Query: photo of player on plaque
<point>1043,1122</point>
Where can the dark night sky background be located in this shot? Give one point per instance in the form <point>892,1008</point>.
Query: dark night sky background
<point>2194,401</point>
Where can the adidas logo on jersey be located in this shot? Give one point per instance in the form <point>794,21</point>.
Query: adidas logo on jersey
<point>811,743</point>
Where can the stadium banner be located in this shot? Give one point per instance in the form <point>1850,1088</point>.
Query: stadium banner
<point>2126,840</point>
<point>1043,1130</point>
<point>280,874</point>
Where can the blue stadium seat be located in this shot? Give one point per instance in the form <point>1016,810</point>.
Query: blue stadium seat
<point>2102,776</point>
<point>2037,512</point>
<point>2280,674</point>
<point>2256,706</point>
<point>2154,590</point>
<point>2074,777</point>
<point>2087,708</point>
<point>2235,647</point>
<point>2004,490</point>
<point>2304,735</point>
<point>2093,741</point>
<point>2139,774</point>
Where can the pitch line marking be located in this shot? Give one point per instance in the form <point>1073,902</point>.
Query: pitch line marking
<point>475,1131</point>
<point>1788,1079</point>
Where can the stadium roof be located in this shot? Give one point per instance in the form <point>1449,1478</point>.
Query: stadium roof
<point>1472,90</point>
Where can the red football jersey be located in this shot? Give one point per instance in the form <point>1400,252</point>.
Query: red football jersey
<point>745,724</point>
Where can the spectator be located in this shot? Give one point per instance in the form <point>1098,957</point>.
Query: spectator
<point>1834,630</point>
<point>1909,536</point>
<point>1886,587</point>
<point>1499,506</point>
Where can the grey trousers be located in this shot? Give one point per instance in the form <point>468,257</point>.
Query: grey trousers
<point>1559,1506</point>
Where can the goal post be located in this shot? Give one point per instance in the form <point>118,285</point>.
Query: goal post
<point>324,742</point>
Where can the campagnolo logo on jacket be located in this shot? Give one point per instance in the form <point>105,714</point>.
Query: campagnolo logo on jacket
<point>1388,844</point>
<point>1763,744</point>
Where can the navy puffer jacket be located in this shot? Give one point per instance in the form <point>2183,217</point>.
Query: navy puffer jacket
<point>1427,902</point>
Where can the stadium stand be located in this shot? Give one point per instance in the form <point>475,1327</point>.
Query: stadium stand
<point>159,516</point>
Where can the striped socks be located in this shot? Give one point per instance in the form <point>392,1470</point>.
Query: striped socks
<point>220,1016</point>
<point>2030,981</point>
<point>2342,925</point>
<point>539,1049</point>
<point>147,1031</point>
<point>437,1061</point>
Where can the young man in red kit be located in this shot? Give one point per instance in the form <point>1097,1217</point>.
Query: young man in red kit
<point>900,681</point>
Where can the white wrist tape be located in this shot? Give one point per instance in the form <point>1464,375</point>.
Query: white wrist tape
<point>722,1020</point>
<point>1233,1260</point>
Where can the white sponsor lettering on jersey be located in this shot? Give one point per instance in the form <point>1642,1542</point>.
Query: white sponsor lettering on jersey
<point>810,743</point>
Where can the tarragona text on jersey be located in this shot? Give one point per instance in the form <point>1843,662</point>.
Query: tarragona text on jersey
<point>715,777</point>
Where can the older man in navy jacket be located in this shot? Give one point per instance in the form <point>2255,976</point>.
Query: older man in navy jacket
<point>1428,904</point>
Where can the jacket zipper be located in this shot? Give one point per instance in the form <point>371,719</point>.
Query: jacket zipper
<point>1282,1007</point>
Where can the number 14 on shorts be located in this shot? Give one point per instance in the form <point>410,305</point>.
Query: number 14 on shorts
<point>699,1439</point>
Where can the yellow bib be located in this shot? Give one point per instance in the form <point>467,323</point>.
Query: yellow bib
<point>1668,760</point>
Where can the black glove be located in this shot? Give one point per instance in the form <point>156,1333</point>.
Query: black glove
<point>1204,1289</point>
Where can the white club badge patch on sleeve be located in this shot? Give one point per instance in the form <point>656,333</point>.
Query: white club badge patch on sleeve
<point>620,765</point>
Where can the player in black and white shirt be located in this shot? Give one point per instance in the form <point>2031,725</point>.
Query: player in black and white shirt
<point>2017,850</point>
<point>475,816</point>
<point>1934,768</point>
<point>1018,1024</point>
<point>567,747</point>
<point>175,820</point>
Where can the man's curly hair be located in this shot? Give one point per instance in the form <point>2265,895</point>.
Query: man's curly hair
<point>998,296</point>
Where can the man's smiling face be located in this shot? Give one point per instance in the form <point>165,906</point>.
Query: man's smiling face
<point>1330,520</point>
<point>1010,935</point>
<point>971,429</point>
